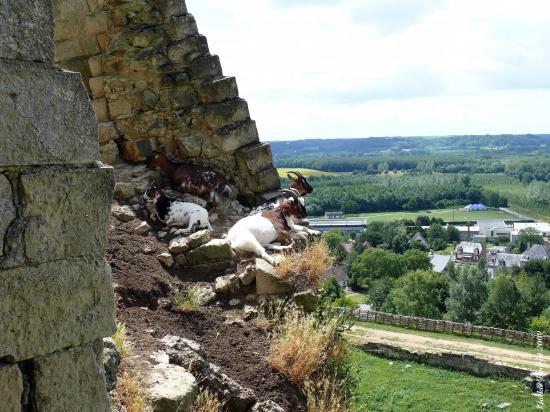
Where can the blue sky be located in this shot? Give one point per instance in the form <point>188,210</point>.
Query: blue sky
<point>359,68</point>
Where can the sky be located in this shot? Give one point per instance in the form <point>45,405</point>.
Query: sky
<point>360,68</point>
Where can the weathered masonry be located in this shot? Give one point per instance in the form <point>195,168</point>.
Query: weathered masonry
<point>155,86</point>
<point>56,299</point>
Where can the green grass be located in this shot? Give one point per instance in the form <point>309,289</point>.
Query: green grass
<point>392,387</point>
<point>306,172</point>
<point>448,215</point>
<point>450,336</point>
<point>357,298</point>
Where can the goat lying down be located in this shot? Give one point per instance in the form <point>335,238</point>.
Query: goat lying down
<point>257,233</point>
<point>190,216</point>
<point>299,185</point>
<point>193,179</point>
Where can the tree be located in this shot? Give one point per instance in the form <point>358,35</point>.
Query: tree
<point>334,240</point>
<point>375,264</point>
<point>414,259</point>
<point>379,291</point>
<point>452,234</point>
<point>467,294</point>
<point>330,290</point>
<point>435,232</point>
<point>534,295</point>
<point>503,308</point>
<point>420,293</point>
<point>529,236</point>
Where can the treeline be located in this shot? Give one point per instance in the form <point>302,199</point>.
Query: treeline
<point>384,164</point>
<point>486,144</point>
<point>366,193</point>
<point>530,169</point>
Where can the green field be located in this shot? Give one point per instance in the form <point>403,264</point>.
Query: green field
<point>306,172</point>
<point>448,215</point>
<point>384,385</point>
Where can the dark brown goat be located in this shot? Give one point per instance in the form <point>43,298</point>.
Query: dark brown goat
<point>300,183</point>
<point>193,179</point>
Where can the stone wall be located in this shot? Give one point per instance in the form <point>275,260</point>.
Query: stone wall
<point>464,362</point>
<point>155,86</point>
<point>56,299</point>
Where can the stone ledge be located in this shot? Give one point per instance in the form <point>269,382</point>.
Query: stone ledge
<point>53,306</point>
<point>26,30</point>
<point>47,117</point>
<point>11,387</point>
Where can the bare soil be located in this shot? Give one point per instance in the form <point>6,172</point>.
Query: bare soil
<point>144,290</point>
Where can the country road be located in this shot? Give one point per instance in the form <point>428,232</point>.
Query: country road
<point>415,342</point>
<point>517,214</point>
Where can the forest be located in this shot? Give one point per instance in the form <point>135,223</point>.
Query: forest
<point>415,173</point>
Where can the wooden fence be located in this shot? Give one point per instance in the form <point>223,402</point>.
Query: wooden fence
<point>456,328</point>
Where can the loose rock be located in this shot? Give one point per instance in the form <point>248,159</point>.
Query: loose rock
<point>248,276</point>
<point>166,259</point>
<point>123,213</point>
<point>170,388</point>
<point>179,245</point>
<point>142,228</point>
<point>266,406</point>
<point>111,362</point>
<point>227,285</point>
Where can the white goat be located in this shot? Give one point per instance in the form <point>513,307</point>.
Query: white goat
<point>175,212</point>
<point>257,233</point>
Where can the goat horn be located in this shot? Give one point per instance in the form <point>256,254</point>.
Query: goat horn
<point>291,193</point>
<point>292,172</point>
<point>299,174</point>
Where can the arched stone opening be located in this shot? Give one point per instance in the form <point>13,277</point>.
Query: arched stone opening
<point>155,86</point>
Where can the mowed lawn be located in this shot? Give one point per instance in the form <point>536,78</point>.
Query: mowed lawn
<point>448,215</point>
<point>389,385</point>
<point>306,172</point>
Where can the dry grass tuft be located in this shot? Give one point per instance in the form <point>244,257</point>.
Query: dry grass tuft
<point>300,346</point>
<point>188,302</point>
<point>130,395</point>
<point>307,268</point>
<point>208,402</point>
<point>327,393</point>
<point>121,340</point>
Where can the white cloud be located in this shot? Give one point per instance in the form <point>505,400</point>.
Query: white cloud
<point>355,68</point>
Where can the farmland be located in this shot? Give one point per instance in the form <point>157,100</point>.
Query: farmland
<point>306,172</point>
<point>448,215</point>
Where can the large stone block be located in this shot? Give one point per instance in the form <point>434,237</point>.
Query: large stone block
<point>11,388</point>
<point>255,157</point>
<point>26,30</point>
<point>46,117</point>
<point>267,281</point>
<point>218,90</point>
<point>232,138</point>
<point>70,380</point>
<point>7,208</point>
<point>67,212</point>
<point>53,306</point>
<point>226,113</point>
<point>264,181</point>
<point>206,67</point>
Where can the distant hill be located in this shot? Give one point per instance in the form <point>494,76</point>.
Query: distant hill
<point>480,144</point>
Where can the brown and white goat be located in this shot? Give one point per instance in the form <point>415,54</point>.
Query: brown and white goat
<point>194,179</point>
<point>299,182</point>
<point>257,233</point>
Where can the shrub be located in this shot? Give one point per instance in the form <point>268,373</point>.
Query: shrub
<point>130,394</point>
<point>121,340</point>
<point>301,345</point>
<point>306,268</point>
<point>540,324</point>
<point>188,302</point>
<point>206,401</point>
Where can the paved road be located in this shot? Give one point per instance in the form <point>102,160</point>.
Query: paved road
<point>423,343</point>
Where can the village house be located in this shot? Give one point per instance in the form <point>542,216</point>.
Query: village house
<point>468,252</point>
<point>346,226</point>
<point>339,273</point>
<point>542,228</point>
<point>334,214</point>
<point>420,239</point>
<point>440,263</point>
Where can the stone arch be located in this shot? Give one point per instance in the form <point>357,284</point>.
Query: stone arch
<point>155,86</point>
